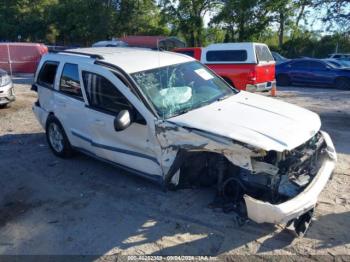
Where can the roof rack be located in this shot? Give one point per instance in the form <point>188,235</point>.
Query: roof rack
<point>94,56</point>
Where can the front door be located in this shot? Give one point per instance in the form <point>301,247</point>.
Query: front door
<point>133,148</point>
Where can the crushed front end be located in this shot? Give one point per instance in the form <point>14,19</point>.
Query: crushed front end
<point>303,173</point>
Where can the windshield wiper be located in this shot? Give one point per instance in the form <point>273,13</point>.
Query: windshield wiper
<point>224,97</point>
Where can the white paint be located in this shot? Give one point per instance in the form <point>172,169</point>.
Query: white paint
<point>262,122</point>
<point>134,60</point>
<point>204,74</point>
<point>249,47</point>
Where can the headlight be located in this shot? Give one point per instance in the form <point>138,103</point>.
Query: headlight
<point>5,80</point>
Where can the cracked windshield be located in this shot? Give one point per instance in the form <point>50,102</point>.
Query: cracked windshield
<point>177,89</point>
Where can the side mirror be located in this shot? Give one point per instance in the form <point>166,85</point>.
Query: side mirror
<point>122,121</point>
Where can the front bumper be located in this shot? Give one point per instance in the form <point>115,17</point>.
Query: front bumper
<point>7,94</point>
<point>265,212</point>
<point>261,87</point>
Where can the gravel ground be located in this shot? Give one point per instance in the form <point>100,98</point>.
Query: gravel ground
<point>83,206</point>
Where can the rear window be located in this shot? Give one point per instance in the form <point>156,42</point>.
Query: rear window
<point>187,52</point>
<point>263,53</point>
<point>227,56</point>
<point>47,74</point>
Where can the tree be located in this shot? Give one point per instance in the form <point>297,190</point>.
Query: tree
<point>186,17</point>
<point>337,14</point>
<point>244,20</point>
<point>138,17</point>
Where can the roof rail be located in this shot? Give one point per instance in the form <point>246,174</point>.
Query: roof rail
<point>94,56</point>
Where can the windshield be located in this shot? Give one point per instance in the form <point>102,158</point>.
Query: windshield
<point>177,89</point>
<point>334,64</point>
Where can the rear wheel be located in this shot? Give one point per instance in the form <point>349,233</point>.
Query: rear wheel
<point>342,83</point>
<point>57,138</point>
<point>283,80</point>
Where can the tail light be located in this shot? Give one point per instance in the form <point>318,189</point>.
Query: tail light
<point>252,76</point>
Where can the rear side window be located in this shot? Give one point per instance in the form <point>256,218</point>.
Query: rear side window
<point>227,56</point>
<point>263,53</point>
<point>298,65</point>
<point>316,65</point>
<point>47,74</point>
<point>70,83</point>
<point>102,94</point>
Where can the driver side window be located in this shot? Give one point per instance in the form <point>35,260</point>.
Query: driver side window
<point>102,94</point>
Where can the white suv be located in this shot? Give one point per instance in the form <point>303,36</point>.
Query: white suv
<point>167,117</point>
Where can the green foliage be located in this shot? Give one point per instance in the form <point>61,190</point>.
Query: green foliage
<point>275,22</point>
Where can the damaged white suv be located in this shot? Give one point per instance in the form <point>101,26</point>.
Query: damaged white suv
<point>167,117</point>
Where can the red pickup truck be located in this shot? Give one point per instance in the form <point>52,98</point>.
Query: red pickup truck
<point>246,66</point>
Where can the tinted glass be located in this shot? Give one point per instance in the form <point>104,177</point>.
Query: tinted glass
<point>102,94</point>
<point>227,56</point>
<point>176,89</point>
<point>70,83</point>
<point>47,74</point>
<point>299,65</point>
<point>316,65</point>
<point>263,54</point>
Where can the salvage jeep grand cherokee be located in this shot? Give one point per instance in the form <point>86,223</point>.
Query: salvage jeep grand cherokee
<point>167,117</point>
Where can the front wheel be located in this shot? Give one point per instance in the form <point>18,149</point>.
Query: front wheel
<point>57,138</point>
<point>342,83</point>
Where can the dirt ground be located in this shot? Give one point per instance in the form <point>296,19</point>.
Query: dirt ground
<point>83,206</point>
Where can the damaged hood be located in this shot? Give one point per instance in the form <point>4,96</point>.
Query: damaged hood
<point>260,121</point>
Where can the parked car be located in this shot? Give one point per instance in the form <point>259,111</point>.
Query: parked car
<point>168,118</point>
<point>110,43</point>
<point>279,58</point>
<point>245,66</point>
<point>312,72</point>
<point>7,93</point>
<point>21,57</point>
<point>337,63</point>
<point>340,56</point>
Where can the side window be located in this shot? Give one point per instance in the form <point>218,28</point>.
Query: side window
<point>298,65</point>
<point>70,83</point>
<point>227,56</point>
<point>102,94</point>
<point>47,74</point>
<point>316,65</point>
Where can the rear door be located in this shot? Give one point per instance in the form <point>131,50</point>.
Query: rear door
<point>69,105</point>
<point>135,147</point>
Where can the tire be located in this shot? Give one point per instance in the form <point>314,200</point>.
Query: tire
<point>57,138</point>
<point>283,80</point>
<point>3,106</point>
<point>342,83</point>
